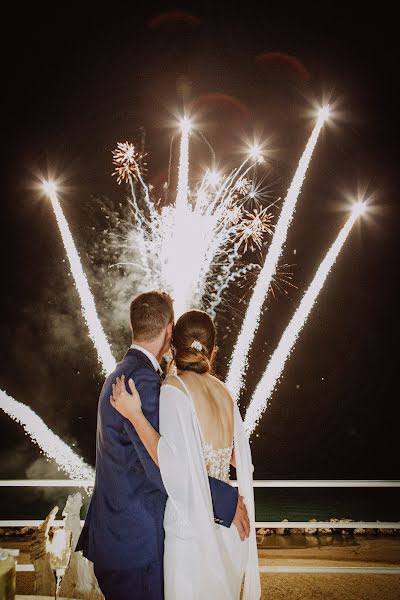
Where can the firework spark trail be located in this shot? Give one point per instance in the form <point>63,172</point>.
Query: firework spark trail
<point>275,366</point>
<point>176,224</point>
<point>217,244</point>
<point>96,332</point>
<point>183,171</point>
<point>51,445</point>
<point>192,236</point>
<point>149,203</point>
<point>141,231</point>
<point>222,198</point>
<point>251,321</point>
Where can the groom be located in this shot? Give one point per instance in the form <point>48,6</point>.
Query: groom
<point>123,533</point>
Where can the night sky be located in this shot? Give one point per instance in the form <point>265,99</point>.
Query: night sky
<point>77,83</point>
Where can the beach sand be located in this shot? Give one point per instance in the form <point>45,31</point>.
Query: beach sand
<point>337,586</point>
<point>301,586</point>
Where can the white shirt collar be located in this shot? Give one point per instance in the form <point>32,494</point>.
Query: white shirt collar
<point>149,355</point>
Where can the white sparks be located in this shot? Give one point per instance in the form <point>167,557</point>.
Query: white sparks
<point>50,444</point>
<point>96,332</point>
<point>191,249</point>
<point>126,160</point>
<point>183,170</point>
<point>251,321</point>
<point>178,227</point>
<point>277,362</point>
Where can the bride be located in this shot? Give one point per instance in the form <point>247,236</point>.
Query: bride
<point>201,434</point>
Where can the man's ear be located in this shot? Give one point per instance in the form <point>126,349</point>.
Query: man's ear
<point>170,328</point>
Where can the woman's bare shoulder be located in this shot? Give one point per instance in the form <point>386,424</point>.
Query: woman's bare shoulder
<point>220,385</point>
<point>174,381</point>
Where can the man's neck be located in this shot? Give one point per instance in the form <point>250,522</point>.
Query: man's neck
<point>153,348</point>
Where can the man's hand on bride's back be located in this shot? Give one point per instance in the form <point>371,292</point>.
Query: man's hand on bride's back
<point>241,519</point>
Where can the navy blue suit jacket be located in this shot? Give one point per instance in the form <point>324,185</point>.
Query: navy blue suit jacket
<point>124,524</point>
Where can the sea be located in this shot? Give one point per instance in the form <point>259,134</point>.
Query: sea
<point>272,504</point>
<point>303,504</point>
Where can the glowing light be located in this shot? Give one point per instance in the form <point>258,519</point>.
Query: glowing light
<point>50,444</point>
<point>251,321</point>
<point>213,178</point>
<point>49,187</point>
<point>186,125</point>
<point>255,153</point>
<point>359,208</point>
<point>275,366</point>
<point>324,113</point>
<point>89,312</point>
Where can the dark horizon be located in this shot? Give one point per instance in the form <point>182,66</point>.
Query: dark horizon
<point>76,85</point>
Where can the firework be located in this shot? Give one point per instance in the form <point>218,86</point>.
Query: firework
<point>126,161</point>
<point>89,312</point>
<point>252,226</point>
<point>282,352</point>
<point>50,444</point>
<point>251,321</point>
<point>243,186</point>
<point>192,249</point>
<point>183,170</point>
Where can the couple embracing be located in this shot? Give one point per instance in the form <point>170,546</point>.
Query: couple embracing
<point>164,521</point>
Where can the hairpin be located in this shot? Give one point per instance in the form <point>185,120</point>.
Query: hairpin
<point>196,345</point>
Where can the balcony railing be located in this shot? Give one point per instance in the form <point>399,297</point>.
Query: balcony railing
<point>261,483</point>
<point>266,483</point>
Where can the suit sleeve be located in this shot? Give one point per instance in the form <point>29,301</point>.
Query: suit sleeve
<point>148,385</point>
<point>224,499</point>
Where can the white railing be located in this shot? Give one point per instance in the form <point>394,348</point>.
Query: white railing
<point>27,568</point>
<point>258,483</point>
<point>283,483</point>
<point>261,483</point>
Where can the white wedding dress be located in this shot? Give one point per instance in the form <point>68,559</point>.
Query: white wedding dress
<point>202,560</point>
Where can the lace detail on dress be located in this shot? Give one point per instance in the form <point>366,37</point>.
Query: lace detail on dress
<point>217,461</point>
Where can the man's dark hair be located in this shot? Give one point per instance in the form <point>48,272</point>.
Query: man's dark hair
<point>150,314</point>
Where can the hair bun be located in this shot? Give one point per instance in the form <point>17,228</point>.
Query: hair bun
<point>191,359</point>
<point>193,340</point>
